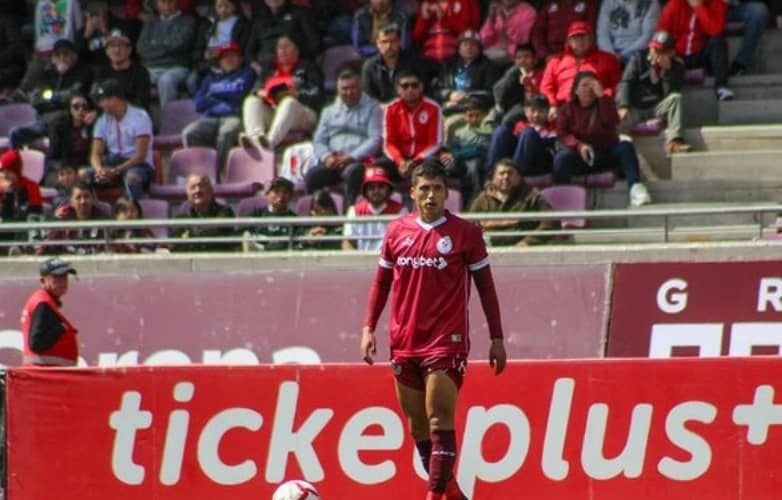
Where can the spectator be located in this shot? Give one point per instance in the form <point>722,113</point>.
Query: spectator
<point>49,87</point>
<point>469,146</point>
<point>587,128</point>
<point>519,83</point>
<point>439,24</point>
<point>291,90</point>
<point>697,27</point>
<point>508,25</point>
<point>322,206</point>
<point>56,20</point>
<point>377,200</point>
<point>379,71</point>
<point>19,195</point>
<point>275,19</point>
<point>412,126</point>
<point>81,207</point>
<point>67,177</point>
<point>165,46</point>
<point>370,18</point>
<point>651,87</point>
<point>127,210</point>
<point>201,204</point>
<point>467,74</point>
<point>279,195</point>
<point>580,55</point>
<point>132,76</point>
<point>219,100</point>
<point>625,27</point>
<point>228,26</point>
<point>553,21</point>
<point>349,132</point>
<point>754,15</point>
<point>12,60</point>
<point>335,18</point>
<point>121,147</point>
<point>98,24</point>
<point>507,193</point>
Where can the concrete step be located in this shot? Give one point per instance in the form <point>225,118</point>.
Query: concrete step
<point>735,138</point>
<point>750,112</point>
<point>766,59</point>
<point>762,165</point>
<point>702,108</point>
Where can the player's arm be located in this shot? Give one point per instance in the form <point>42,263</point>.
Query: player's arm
<point>484,282</point>
<point>378,295</point>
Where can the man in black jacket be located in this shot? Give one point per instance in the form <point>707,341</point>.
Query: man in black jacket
<point>651,88</point>
<point>275,18</point>
<point>123,68</point>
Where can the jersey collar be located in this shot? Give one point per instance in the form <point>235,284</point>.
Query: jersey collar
<point>428,227</point>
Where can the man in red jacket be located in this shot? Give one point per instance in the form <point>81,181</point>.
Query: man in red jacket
<point>580,55</point>
<point>697,26</point>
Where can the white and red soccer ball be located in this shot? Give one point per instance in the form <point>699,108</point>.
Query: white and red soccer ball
<point>296,490</point>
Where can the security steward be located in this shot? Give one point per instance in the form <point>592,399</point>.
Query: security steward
<point>49,338</point>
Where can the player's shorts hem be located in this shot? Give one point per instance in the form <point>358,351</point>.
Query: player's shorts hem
<point>412,372</point>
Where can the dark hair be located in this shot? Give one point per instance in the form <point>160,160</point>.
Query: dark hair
<point>348,74</point>
<point>82,95</point>
<point>122,205</point>
<point>322,198</point>
<point>503,162</point>
<point>581,75</point>
<point>82,186</point>
<point>524,47</point>
<point>430,168</point>
<point>406,73</point>
<point>476,102</point>
<point>389,28</point>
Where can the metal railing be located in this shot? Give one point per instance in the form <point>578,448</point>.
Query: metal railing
<point>108,228</point>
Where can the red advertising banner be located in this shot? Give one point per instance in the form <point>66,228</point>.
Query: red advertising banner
<point>306,315</point>
<point>696,309</point>
<point>605,429</point>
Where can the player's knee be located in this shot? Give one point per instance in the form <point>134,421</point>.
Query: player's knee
<point>440,422</point>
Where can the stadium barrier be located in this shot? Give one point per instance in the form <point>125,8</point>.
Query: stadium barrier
<point>673,429</point>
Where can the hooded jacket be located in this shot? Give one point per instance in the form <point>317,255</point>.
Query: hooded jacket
<point>595,125</point>
<point>562,69</point>
<point>692,27</point>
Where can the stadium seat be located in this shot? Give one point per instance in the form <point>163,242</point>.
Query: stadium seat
<point>13,115</point>
<point>336,59</point>
<point>454,201</point>
<point>249,205</point>
<point>48,194</point>
<point>695,76</point>
<point>246,172</point>
<point>734,29</point>
<point>155,209</point>
<point>184,162</point>
<point>174,117</point>
<point>538,181</point>
<point>304,204</point>
<point>104,209</point>
<point>33,164</point>
<point>567,198</point>
<point>649,128</point>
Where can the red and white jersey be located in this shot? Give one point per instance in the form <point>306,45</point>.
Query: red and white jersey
<point>415,133</point>
<point>431,287</point>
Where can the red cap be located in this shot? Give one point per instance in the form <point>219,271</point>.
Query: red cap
<point>228,47</point>
<point>579,28</point>
<point>11,160</point>
<point>376,174</point>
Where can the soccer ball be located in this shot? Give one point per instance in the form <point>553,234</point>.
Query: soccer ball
<point>296,490</point>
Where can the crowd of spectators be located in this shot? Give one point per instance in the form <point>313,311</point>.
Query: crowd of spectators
<point>497,91</point>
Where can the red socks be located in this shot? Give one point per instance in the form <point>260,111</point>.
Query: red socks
<point>442,459</point>
<point>425,452</point>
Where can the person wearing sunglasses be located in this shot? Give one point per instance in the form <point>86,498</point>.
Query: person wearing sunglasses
<point>70,137</point>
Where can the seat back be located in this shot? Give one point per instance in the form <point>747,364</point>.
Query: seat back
<point>195,160</point>
<point>335,59</point>
<point>155,209</point>
<point>454,201</point>
<point>15,114</point>
<point>567,198</point>
<point>249,205</point>
<point>304,204</point>
<point>33,164</point>
<point>246,165</point>
<point>176,115</point>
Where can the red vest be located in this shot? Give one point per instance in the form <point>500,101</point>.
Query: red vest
<point>64,352</point>
<point>362,207</point>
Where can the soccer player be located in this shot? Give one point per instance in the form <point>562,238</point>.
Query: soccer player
<point>426,260</point>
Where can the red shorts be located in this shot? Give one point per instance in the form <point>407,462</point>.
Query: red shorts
<point>412,372</point>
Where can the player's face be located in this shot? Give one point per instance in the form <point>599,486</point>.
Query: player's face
<point>429,196</point>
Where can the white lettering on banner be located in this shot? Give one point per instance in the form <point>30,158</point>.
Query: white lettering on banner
<point>770,294</point>
<point>473,467</point>
<point>352,441</point>
<point>672,296</point>
<point>745,336</point>
<point>696,446</point>
<point>706,336</point>
<point>285,441</point>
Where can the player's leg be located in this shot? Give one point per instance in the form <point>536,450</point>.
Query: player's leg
<point>413,403</point>
<point>441,396</point>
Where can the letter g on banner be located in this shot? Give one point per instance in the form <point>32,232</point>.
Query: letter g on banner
<point>672,296</point>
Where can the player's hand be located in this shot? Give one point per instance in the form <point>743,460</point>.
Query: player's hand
<point>497,357</point>
<point>368,345</point>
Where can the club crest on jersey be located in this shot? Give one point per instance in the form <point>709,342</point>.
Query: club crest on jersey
<point>445,245</point>
<point>423,117</point>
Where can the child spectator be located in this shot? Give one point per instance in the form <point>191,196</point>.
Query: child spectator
<point>322,206</point>
<point>126,209</point>
<point>469,146</point>
<point>439,24</point>
<point>370,18</point>
<point>508,25</point>
<point>279,195</point>
<point>80,207</point>
<point>625,27</point>
<point>67,177</point>
<point>201,204</point>
<point>376,200</point>
<point>507,193</point>
<point>519,83</point>
<point>552,23</point>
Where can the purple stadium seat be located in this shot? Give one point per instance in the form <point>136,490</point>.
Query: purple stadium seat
<point>246,172</point>
<point>249,205</point>
<point>567,198</point>
<point>33,164</point>
<point>174,117</point>
<point>155,209</point>
<point>304,204</point>
<point>105,209</point>
<point>454,201</point>
<point>649,128</point>
<point>48,194</point>
<point>538,181</point>
<point>601,180</point>
<point>183,163</point>
<point>695,76</point>
<point>13,115</point>
<point>335,59</point>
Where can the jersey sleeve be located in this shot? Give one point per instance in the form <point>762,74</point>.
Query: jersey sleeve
<point>476,255</point>
<point>386,259</point>
<point>143,125</point>
<point>99,129</point>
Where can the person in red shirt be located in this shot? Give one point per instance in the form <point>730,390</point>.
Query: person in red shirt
<point>551,24</point>
<point>20,196</point>
<point>697,27</point>
<point>426,262</point>
<point>439,24</point>
<point>412,126</point>
<point>580,54</point>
